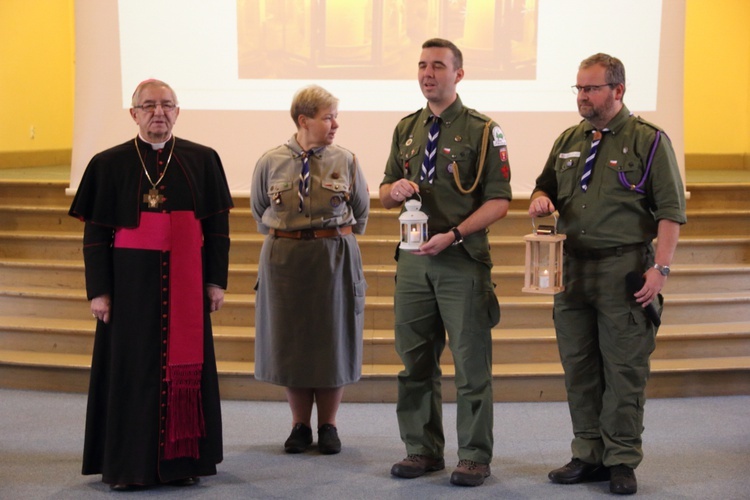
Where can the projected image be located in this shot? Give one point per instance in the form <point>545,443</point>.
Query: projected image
<point>381,39</point>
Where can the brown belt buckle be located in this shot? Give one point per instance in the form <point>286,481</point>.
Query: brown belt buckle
<point>307,234</point>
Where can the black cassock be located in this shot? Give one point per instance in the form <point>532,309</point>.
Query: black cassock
<point>125,420</point>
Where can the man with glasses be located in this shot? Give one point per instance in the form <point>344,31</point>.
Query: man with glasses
<point>156,250</point>
<point>614,180</point>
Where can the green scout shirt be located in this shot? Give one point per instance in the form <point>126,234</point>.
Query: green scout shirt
<point>338,190</point>
<point>610,214</point>
<point>459,146</point>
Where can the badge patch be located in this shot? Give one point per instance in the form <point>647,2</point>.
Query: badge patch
<point>503,154</point>
<point>447,151</point>
<point>335,201</point>
<point>572,154</point>
<point>613,163</point>
<point>498,138</point>
<point>450,168</point>
<point>505,171</point>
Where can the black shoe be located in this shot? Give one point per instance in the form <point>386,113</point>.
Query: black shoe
<point>328,440</point>
<point>299,439</point>
<point>187,481</point>
<point>578,471</point>
<point>417,465</point>
<point>470,473</point>
<point>622,480</point>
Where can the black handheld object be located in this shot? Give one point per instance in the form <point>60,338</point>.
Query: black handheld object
<point>634,283</point>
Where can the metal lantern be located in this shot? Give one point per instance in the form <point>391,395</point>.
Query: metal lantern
<point>544,260</point>
<point>413,226</point>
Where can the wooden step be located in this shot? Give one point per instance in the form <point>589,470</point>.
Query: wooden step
<point>512,382</point>
<point>527,311</point>
<point>69,274</point>
<point>719,195</point>
<point>34,193</point>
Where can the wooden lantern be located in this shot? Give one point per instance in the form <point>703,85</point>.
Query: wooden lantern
<point>544,260</point>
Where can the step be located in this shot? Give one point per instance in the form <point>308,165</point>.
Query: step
<point>69,274</point>
<point>719,195</point>
<point>512,382</point>
<point>716,222</point>
<point>42,218</point>
<point>521,311</point>
<point>34,192</point>
<point>529,344</point>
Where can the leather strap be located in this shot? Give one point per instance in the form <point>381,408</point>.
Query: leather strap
<point>311,234</point>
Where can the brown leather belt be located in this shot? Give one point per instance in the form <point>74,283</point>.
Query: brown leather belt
<point>602,253</point>
<point>311,234</point>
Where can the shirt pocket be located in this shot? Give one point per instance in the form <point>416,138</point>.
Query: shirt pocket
<point>336,191</point>
<point>410,158</point>
<point>627,172</point>
<point>283,195</point>
<point>566,168</point>
<point>459,158</point>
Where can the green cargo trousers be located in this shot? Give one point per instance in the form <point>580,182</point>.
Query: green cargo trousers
<point>605,341</point>
<point>449,292</point>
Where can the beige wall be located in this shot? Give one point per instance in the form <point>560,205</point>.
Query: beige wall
<point>38,71</point>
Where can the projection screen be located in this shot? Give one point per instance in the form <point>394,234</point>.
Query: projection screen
<point>235,65</point>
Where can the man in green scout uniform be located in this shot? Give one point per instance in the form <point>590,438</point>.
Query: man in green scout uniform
<point>456,161</point>
<point>614,180</point>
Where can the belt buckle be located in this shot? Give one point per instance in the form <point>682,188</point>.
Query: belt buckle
<point>307,234</point>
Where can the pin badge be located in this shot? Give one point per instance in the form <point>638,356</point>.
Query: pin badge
<point>450,168</point>
<point>277,198</point>
<point>569,163</point>
<point>625,150</point>
<point>409,141</point>
<point>458,138</point>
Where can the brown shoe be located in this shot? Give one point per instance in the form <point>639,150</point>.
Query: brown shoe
<point>470,473</point>
<point>417,465</point>
<point>622,480</point>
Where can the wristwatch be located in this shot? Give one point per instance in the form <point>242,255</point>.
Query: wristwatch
<point>457,235</point>
<point>663,270</point>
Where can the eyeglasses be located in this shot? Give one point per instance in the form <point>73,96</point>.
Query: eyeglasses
<point>587,89</point>
<point>150,107</point>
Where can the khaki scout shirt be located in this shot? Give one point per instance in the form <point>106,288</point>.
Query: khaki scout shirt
<point>459,146</point>
<point>609,214</point>
<point>338,190</point>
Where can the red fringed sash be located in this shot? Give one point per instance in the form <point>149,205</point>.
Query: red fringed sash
<point>180,234</point>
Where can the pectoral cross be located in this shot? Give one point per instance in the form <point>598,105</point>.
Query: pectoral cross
<point>153,198</point>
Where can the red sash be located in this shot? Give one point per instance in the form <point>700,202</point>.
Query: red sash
<point>180,234</point>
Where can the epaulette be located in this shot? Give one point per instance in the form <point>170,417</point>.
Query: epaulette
<point>410,115</point>
<point>476,114</point>
<point>646,122</point>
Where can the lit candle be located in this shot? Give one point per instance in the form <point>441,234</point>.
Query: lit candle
<point>414,237</point>
<point>544,279</point>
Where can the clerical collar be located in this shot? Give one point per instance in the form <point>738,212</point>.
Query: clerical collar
<point>154,145</point>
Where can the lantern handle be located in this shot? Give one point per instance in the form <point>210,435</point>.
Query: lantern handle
<point>545,229</point>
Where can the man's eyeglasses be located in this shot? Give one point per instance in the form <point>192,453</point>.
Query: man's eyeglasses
<point>587,89</point>
<point>150,107</point>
